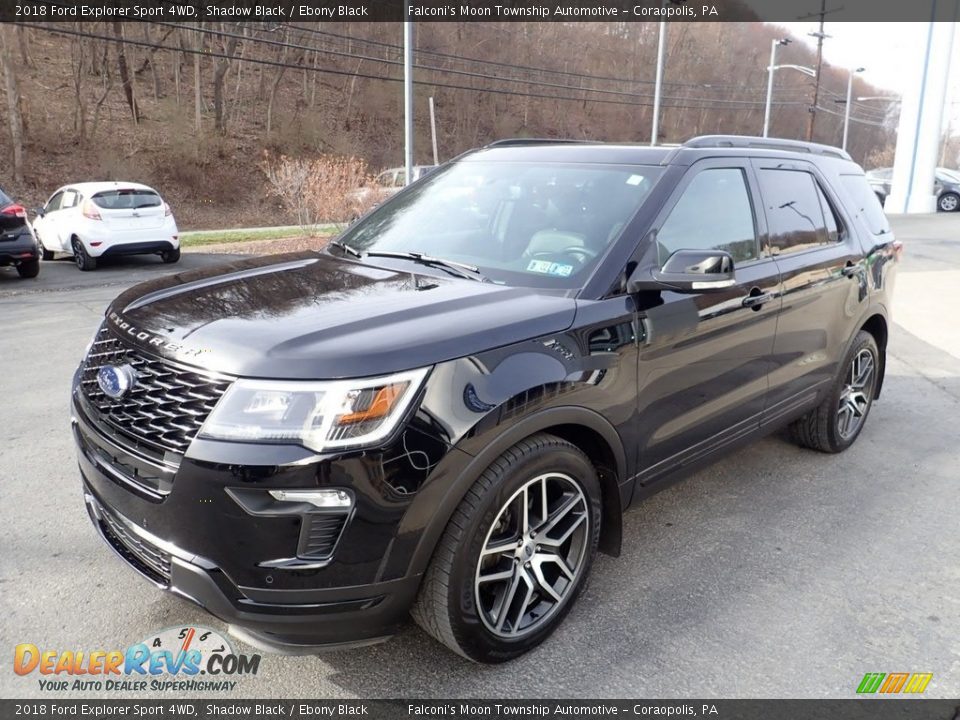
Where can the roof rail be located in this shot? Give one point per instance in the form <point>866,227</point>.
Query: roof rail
<point>508,142</point>
<point>762,143</point>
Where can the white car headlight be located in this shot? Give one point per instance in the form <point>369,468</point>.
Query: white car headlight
<point>321,416</point>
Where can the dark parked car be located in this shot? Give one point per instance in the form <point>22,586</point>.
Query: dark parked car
<point>946,186</point>
<point>447,411</point>
<point>18,247</point>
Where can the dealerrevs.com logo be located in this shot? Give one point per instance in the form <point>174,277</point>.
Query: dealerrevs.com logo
<point>179,659</point>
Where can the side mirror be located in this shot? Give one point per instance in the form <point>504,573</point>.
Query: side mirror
<point>39,212</point>
<point>687,271</point>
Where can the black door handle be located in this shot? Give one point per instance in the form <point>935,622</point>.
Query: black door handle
<point>755,301</point>
<point>849,270</point>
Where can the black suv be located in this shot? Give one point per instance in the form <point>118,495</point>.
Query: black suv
<point>18,247</point>
<point>445,413</point>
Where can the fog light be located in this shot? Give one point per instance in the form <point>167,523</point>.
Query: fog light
<point>317,498</point>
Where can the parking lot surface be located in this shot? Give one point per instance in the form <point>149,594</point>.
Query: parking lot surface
<point>777,572</point>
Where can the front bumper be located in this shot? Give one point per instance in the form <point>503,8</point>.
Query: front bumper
<point>191,536</point>
<point>344,618</point>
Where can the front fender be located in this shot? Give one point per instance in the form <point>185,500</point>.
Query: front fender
<point>438,498</point>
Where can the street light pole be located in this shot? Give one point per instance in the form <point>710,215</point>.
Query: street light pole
<point>770,70</point>
<point>846,114</point>
<point>661,46</point>
<point>407,96</point>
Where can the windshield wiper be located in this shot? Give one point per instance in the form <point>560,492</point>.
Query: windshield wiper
<point>470,272</point>
<point>346,248</point>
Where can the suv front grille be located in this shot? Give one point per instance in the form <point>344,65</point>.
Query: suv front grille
<point>167,404</point>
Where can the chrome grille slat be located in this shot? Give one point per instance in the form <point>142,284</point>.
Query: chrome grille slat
<point>167,406</point>
<point>150,556</point>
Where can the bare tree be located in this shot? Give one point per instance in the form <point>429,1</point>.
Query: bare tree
<point>282,59</point>
<point>125,78</point>
<point>197,90</point>
<point>14,111</point>
<point>219,74</point>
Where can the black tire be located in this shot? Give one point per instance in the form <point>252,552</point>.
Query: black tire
<point>29,269</point>
<point>448,606</point>
<point>81,258</point>
<point>821,428</point>
<point>44,253</point>
<point>170,256</point>
<point>948,202</point>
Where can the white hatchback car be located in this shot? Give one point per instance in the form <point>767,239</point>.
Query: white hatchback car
<point>99,219</point>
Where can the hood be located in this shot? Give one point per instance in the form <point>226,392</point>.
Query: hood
<point>313,316</point>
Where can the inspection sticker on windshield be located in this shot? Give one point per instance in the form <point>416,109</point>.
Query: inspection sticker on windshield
<point>550,268</point>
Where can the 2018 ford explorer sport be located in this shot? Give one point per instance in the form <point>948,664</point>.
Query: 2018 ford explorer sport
<point>446,412</point>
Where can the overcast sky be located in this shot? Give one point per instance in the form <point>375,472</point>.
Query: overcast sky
<point>889,51</point>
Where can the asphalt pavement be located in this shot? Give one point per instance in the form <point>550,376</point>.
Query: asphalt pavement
<point>777,572</point>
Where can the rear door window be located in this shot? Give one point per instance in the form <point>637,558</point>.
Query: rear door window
<point>794,211</point>
<point>126,199</point>
<point>70,199</point>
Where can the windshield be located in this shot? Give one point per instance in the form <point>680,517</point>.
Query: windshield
<point>524,224</point>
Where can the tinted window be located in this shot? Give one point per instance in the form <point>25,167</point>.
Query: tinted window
<point>4,199</point>
<point>126,199</point>
<point>866,203</point>
<point>793,210</point>
<point>54,202</point>
<point>834,226</point>
<point>714,213</point>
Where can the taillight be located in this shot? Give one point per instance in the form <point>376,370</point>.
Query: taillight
<point>166,210</point>
<point>90,211</point>
<point>14,211</point>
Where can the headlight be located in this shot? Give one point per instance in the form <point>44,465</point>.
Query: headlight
<point>318,415</point>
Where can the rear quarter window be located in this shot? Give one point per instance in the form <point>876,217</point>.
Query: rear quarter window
<point>5,199</point>
<point>865,202</point>
<point>126,199</point>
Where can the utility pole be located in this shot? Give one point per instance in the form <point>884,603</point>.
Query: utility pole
<point>820,35</point>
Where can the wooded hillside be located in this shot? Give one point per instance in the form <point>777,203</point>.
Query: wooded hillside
<point>191,108</point>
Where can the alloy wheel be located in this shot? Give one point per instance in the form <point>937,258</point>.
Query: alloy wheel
<point>948,203</point>
<point>532,556</point>
<point>857,393</point>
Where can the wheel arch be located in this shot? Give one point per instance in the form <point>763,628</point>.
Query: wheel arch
<point>950,193</point>
<point>876,325</point>
<point>586,429</point>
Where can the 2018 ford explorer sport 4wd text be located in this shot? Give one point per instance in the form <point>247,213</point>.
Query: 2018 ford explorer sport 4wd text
<point>445,413</point>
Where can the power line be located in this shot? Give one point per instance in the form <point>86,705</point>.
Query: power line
<point>352,55</point>
<point>496,91</point>
<point>512,66</point>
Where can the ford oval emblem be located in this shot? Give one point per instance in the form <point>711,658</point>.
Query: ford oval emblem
<point>116,381</point>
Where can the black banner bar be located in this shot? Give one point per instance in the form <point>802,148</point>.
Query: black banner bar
<point>874,708</point>
<point>281,11</point>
